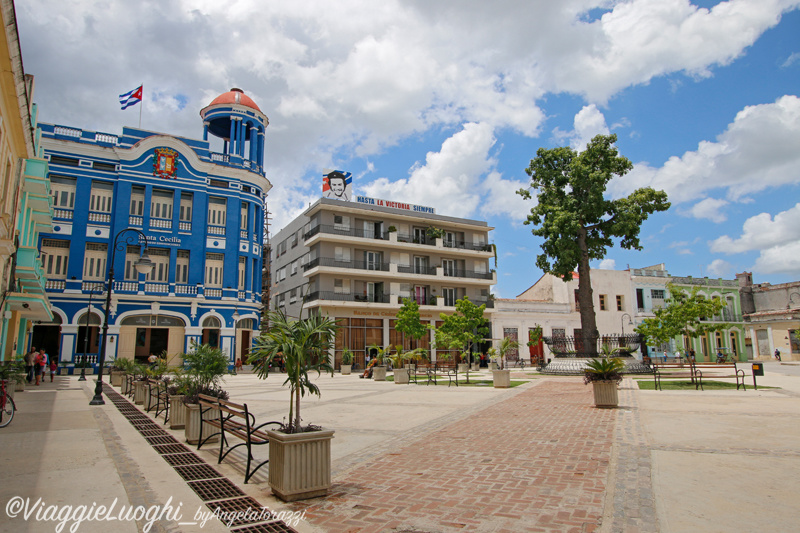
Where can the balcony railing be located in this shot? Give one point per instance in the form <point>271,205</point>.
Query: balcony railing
<point>161,223</point>
<point>402,237</point>
<point>347,297</point>
<point>358,265</point>
<point>96,216</point>
<point>464,245</point>
<point>346,231</point>
<point>216,230</point>
<point>460,273</point>
<point>416,269</point>
<point>65,214</point>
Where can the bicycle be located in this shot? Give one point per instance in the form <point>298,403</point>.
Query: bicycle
<point>7,405</point>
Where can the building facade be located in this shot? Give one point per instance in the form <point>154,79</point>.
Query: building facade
<point>25,207</point>
<point>200,216</point>
<point>357,261</point>
<point>772,318</point>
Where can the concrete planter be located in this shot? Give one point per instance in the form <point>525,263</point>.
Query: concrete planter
<point>177,412</point>
<point>605,393</point>
<point>493,366</point>
<point>139,392</point>
<point>346,369</point>
<point>123,388</point>
<point>192,423</point>
<point>401,376</point>
<point>476,367</point>
<point>463,367</point>
<point>300,464</point>
<point>501,379</point>
<point>11,388</point>
<point>116,378</point>
<point>19,386</point>
<point>379,373</point>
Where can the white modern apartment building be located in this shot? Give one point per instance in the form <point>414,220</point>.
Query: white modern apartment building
<point>357,261</point>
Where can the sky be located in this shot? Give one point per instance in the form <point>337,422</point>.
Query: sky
<point>445,103</point>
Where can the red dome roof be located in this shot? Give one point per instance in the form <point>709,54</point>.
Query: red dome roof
<point>235,96</point>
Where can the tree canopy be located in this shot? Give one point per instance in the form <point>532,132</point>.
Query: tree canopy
<point>577,221</point>
<point>408,321</point>
<point>684,314</point>
<point>465,327</point>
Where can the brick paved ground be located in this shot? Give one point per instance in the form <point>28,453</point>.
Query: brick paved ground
<point>535,462</point>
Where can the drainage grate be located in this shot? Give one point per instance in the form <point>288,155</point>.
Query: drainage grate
<point>195,472</point>
<point>272,527</point>
<point>215,489</point>
<point>151,433</point>
<point>164,439</point>
<point>247,510</point>
<point>177,459</point>
<point>170,448</point>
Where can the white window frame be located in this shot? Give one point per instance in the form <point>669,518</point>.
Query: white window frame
<point>185,214</point>
<point>56,258</point>
<point>95,258</point>
<point>160,271</point>
<point>102,197</point>
<point>182,266</point>
<point>217,209</point>
<point>215,264</point>
<point>137,202</point>
<point>161,203</point>
<point>242,271</point>
<point>62,188</point>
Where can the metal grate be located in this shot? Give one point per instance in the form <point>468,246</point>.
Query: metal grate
<point>152,433</point>
<point>166,439</point>
<point>170,448</point>
<point>215,489</point>
<point>177,459</point>
<point>195,472</point>
<point>272,527</point>
<point>240,505</point>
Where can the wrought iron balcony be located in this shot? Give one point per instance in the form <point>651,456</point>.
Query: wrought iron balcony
<point>379,266</point>
<point>347,232</point>
<point>347,297</point>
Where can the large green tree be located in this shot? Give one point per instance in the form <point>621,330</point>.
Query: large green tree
<point>577,221</point>
<point>684,314</point>
<point>408,320</point>
<point>464,328</point>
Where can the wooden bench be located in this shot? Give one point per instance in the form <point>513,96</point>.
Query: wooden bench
<point>695,375</point>
<point>235,420</point>
<point>432,372</point>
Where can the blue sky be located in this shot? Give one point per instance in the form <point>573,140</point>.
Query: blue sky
<point>444,104</point>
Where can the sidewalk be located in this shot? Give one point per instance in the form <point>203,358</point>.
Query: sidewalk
<point>433,459</point>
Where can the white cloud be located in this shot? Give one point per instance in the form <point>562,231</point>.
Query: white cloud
<point>710,208</point>
<point>450,180</point>
<point>588,122</point>
<point>607,264</point>
<point>763,232</point>
<point>757,151</point>
<point>719,268</point>
<point>781,259</point>
<point>791,60</point>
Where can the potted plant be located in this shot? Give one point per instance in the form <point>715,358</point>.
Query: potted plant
<point>14,372</point>
<point>493,358</point>
<point>379,362</point>
<point>205,366</point>
<point>604,374</point>
<point>400,373</point>
<point>391,229</point>
<point>299,456</point>
<point>347,362</point>
<point>177,389</point>
<point>502,377</point>
<point>119,368</point>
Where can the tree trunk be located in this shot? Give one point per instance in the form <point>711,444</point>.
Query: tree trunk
<point>585,299</point>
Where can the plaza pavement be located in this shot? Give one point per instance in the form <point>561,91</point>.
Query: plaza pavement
<point>411,458</point>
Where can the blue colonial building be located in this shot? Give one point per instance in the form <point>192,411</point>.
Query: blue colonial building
<point>201,213</point>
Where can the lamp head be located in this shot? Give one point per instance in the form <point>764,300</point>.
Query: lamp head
<point>144,265</point>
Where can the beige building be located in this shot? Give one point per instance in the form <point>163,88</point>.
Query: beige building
<point>357,261</point>
<point>772,318</point>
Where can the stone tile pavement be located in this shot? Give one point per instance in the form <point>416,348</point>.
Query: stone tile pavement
<point>535,462</point>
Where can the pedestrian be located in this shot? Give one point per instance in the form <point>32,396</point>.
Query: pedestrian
<point>778,355</point>
<point>53,367</point>
<point>30,357</point>
<point>665,357</point>
<point>44,364</point>
<point>38,365</point>
<point>238,365</point>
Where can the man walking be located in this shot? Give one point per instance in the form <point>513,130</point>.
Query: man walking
<point>30,357</point>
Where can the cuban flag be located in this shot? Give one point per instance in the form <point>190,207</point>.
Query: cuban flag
<point>131,98</point>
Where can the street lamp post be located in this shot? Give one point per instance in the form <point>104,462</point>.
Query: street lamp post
<point>86,335</point>
<point>143,266</point>
<point>622,321</point>
<point>235,318</point>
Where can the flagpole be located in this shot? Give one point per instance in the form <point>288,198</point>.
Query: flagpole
<point>140,109</point>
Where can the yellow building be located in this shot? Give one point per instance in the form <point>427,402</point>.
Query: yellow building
<point>25,204</point>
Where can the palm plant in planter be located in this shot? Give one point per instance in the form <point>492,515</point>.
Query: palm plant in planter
<point>299,456</point>
<point>379,365</point>
<point>205,366</point>
<point>604,374</point>
<point>347,362</point>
